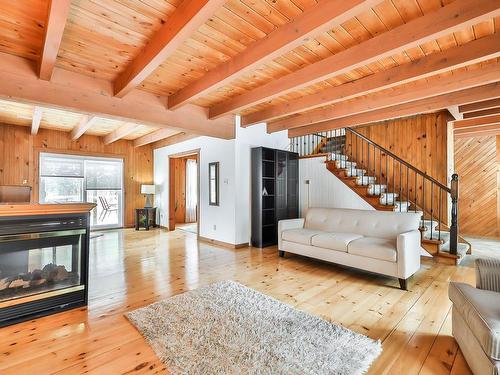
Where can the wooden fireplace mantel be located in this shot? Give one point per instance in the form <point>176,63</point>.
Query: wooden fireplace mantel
<point>44,209</point>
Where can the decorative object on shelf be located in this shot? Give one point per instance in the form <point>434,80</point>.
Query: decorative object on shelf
<point>213,181</point>
<point>148,191</point>
<point>275,187</point>
<point>145,217</point>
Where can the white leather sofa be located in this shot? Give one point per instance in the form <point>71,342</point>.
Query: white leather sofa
<point>384,242</point>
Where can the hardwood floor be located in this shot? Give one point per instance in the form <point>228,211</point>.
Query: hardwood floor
<point>130,269</point>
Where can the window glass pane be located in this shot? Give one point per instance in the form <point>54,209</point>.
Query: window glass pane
<point>103,175</point>
<point>108,209</point>
<point>61,166</point>
<point>213,191</point>
<point>74,178</point>
<point>61,189</point>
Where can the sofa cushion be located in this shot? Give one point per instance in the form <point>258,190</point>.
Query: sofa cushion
<point>370,223</point>
<point>372,247</point>
<point>299,235</point>
<point>481,311</point>
<point>334,241</point>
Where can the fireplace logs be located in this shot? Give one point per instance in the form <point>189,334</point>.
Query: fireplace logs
<point>48,276</point>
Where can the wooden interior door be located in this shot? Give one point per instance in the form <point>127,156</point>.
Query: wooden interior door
<point>171,194</point>
<point>180,190</point>
<point>177,190</point>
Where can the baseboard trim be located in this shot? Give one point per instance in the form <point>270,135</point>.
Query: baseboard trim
<point>222,243</point>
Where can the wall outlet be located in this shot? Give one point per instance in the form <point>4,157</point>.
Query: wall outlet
<point>215,227</point>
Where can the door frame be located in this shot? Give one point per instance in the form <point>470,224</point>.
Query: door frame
<point>171,188</point>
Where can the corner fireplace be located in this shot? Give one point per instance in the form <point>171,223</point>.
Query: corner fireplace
<point>43,265</point>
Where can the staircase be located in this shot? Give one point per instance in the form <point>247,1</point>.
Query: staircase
<point>389,183</point>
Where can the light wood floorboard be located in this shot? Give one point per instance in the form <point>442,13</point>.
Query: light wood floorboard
<point>131,269</point>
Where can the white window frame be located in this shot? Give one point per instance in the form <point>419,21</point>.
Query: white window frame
<point>84,158</point>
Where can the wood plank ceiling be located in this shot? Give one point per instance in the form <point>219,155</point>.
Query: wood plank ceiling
<point>102,38</point>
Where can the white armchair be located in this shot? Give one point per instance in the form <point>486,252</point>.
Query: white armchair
<point>476,318</point>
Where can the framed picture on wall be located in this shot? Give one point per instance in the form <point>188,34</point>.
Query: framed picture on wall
<point>213,183</point>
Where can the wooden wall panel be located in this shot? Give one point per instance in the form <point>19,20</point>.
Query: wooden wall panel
<point>419,140</point>
<point>19,152</point>
<point>476,162</point>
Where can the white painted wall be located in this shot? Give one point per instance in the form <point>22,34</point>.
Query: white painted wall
<point>217,221</point>
<point>324,189</point>
<point>230,221</point>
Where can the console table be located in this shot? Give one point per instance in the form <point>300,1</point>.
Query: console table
<point>145,217</point>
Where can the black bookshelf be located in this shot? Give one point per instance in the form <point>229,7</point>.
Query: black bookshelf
<point>275,192</point>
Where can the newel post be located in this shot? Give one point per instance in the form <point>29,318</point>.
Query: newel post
<point>454,214</point>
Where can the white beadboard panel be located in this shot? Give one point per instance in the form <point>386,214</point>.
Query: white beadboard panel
<point>325,189</point>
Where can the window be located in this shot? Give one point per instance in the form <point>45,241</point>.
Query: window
<point>71,178</point>
<point>213,181</point>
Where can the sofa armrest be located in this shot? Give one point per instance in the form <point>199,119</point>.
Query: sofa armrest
<point>408,258</point>
<point>488,274</point>
<point>288,224</point>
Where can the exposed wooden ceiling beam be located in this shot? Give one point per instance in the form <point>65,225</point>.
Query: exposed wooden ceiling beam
<point>448,19</point>
<point>85,124</point>
<point>180,25</point>
<point>54,28</point>
<point>432,104</point>
<point>36,119</point>
<point>484,112</point>
<point>153,137</point>
<point>120,133</point>
<point>79,93</point>
<point>322,17</point>
<point>486,104</point>
<point>479,131</point>
<point>429,87</point>
<point>174,139</point>
<point>475,51</point>
<point>475,122</point>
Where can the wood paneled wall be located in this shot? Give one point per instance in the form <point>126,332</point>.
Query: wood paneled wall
<point>419,140</point>
<point>19,152</point>
<point>477,162</point>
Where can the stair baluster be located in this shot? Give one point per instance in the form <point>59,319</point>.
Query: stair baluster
<point>346,150</point>
<point>454,215</point>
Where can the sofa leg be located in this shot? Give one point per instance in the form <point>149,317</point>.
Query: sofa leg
<point>403,283</point>
<point>282,253</point>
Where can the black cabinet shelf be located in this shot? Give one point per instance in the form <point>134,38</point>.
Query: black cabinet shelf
<point>276,172</point>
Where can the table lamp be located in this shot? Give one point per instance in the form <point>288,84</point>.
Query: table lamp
<point>148,191</point>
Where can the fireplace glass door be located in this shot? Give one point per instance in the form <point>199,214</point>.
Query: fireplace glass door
<point>36,265</point>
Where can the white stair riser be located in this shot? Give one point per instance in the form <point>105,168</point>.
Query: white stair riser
<point>427,224</point>
<point>365,180</point>
<point>352,172</point>
<point>334,156</point>
<point>404,206</point>
<point>345,164</point>
<point>388,198</point>
<point>376,189</point>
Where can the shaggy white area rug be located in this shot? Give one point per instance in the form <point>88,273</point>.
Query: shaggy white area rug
<point>227,328</point>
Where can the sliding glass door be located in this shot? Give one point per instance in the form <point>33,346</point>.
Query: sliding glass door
<point>72,178</point>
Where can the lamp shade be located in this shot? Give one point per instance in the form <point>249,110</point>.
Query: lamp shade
<point>147,189</point>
